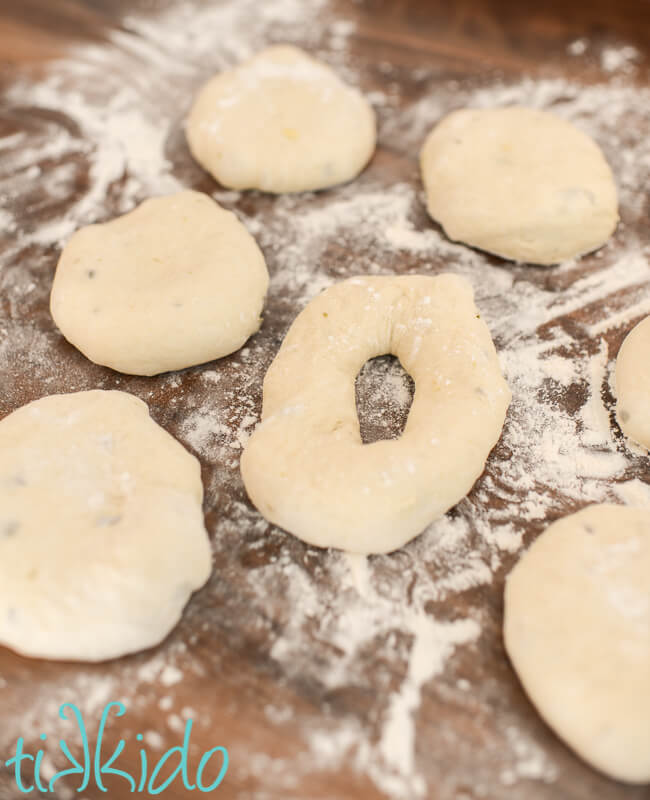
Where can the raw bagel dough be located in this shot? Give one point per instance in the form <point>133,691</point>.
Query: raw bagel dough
<point>633,384</point>
<point>177,282</point>
<point>306,468</point>
<point>281,122</point>
<point>520,183</point>
<point>577,629</point>
<point>102,538</point>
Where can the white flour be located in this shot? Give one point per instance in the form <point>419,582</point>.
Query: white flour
<point>117,109</point>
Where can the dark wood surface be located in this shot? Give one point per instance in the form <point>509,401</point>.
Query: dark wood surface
<point>228,672</point>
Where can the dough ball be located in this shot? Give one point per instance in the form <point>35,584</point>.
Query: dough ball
<point>522,184</point>
<point>177,282</point>
<point>577,630</point>
<point>102,539</point>
<point>306,468</point>
<point>281,122</point>
<point>633,384</point>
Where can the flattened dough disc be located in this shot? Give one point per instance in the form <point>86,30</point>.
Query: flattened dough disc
<point>281,122</point>
<point>177,282</point>
<point>577,630</point>
<point>102,539</point>
<point>633,384</point>
<point>521,183</point>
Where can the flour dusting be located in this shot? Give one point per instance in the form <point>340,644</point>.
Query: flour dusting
<point>385,629</point>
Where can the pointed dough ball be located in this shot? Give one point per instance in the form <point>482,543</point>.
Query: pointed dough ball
<point>281,122</point>
<point>177,282</point>
<point>102,538</point>
<point>520,183</point>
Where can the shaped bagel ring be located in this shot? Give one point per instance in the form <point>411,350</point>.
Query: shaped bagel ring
<point>306,468</point>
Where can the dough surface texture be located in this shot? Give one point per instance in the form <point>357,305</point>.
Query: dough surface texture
<point>577,630</point>
<point>102,538</point>
<point>281,122</point>
<point>520,183</point>
<point>306,468</point>
<point>633,384</point>
<point>177,282</point>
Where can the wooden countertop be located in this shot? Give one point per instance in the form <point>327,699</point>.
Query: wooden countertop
<point>218,666</point>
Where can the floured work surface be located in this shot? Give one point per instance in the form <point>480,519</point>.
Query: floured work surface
<point>326,676</point>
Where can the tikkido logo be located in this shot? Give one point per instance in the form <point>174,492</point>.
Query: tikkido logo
<point>95,766</point>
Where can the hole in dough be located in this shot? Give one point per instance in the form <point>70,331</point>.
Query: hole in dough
<point>384,394</point>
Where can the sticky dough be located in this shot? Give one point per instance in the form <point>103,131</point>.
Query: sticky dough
<point>633,384</point>
<point>520,183</point>
<point>306,468</point>
<point>577,629</point>
<point>281,122</point>
<point>177,282</point>
<point>102,539</point>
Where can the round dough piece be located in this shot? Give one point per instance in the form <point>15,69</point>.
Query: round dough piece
<point>522,184</point>
<point>633,384</point>
<point>102,539</point>
<point>306,468</point>
<point>577,630</point>
<point>281,122</point>
<point>177,282</point>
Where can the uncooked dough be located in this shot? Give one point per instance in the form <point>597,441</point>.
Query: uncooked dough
<point>281,122</point>
<point>577,629</point>
<point>102,539</point>
<point>633,384</point>
<point>520,183</point>
<point>305,467</point>
<point>177,282</point>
